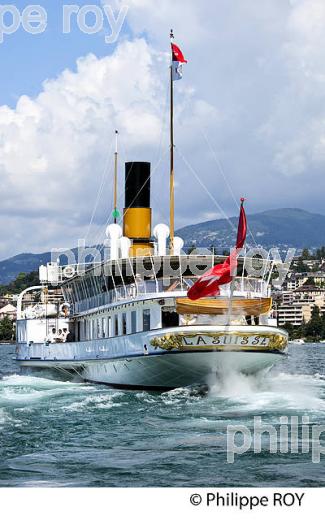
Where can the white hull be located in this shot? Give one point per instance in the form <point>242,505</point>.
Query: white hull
<point>126,364</point>
<point>176,370</point>
<point>170,370</point>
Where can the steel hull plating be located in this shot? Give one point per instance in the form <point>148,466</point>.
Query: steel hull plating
<point>167,358</point>
<point>174,370</point>
<point>162,371</point>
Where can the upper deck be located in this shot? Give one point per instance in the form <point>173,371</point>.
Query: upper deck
<point>131,279</point>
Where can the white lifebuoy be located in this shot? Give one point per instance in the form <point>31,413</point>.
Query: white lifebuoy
<point>69,271</point>
<point>65,309</point>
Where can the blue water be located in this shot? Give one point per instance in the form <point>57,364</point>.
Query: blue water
<point>58,433</point>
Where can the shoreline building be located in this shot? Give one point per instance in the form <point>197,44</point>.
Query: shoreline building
<point>297,305</point>
<point>8,311</point>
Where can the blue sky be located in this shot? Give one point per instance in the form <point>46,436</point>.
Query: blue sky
<point>27,60</point>
<point>249,115</point>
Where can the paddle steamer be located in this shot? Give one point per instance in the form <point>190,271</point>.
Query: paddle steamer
<point>131,323</point>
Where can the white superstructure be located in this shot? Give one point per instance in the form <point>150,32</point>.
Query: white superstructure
<point>129,328</point>
<point>128,321</point>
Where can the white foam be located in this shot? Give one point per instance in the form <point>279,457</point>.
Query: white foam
<point>37,382</point>
<point>271,392</point>
<point>17,390</point>
<point>104,401</point>
<point>6,419</point>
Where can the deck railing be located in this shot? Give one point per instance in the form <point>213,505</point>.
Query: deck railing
<point>245,287</point>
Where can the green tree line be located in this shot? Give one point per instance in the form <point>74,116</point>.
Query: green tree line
<point>22,281</point>
<point>7,329</point>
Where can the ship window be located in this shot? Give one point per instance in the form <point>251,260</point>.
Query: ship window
<point>88,330</point>
<point>116,325</point>
<point>146,319</point>
<point>109,326</point>
<point>169,318</point>
<point>78,331</point>
<point>124,323</point>
<point>104,330</point>
<point>93,330</point>
<point>98,328</point>
<point>133,322</point>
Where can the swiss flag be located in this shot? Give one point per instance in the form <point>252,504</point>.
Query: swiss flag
<point>209,283</point>
<point>220,274</point>
<point>177,54</point>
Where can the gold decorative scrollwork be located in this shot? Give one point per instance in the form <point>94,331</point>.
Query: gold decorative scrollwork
<point>181,341</point>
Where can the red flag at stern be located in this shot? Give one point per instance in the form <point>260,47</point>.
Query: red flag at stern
<point>209,283</point>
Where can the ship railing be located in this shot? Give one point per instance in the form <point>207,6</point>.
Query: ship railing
<point>247,287</point>
<point>130,292</point>
<point>38,301</point>
<point>244,287</point>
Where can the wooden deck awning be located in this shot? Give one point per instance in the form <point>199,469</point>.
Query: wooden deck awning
<point>240,306</point>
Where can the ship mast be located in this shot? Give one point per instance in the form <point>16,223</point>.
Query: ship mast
<point>115,210</point>
<point>172,178</point>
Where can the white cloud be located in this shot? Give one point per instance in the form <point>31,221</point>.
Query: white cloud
<point>253,88</point>
<point>53,148</point>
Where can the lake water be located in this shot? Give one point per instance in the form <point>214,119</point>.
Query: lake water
<point>57,433</point>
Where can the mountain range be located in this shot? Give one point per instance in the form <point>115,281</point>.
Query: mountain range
<point>281,228</point>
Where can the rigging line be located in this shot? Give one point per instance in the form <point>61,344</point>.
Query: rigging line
<point>142,187</point>
<point>99,192</point>
<point>221,170</point>
<point>109,219</point>
<point>123,149</point>
<point>98,233</point>
<point>163,209</point>
<point>191,169</point>
<point>163,126</point>
<point>90,235</point>
<point>161,139</point>
<point>161,154</point>
<point>100,236</point>
<point>177,119</point>
<point>151,173</point>
<point>98,240</point>
<point>159,157</point>
<point>105,176</point>
<point>101,232</point>
<point>164,119</point>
